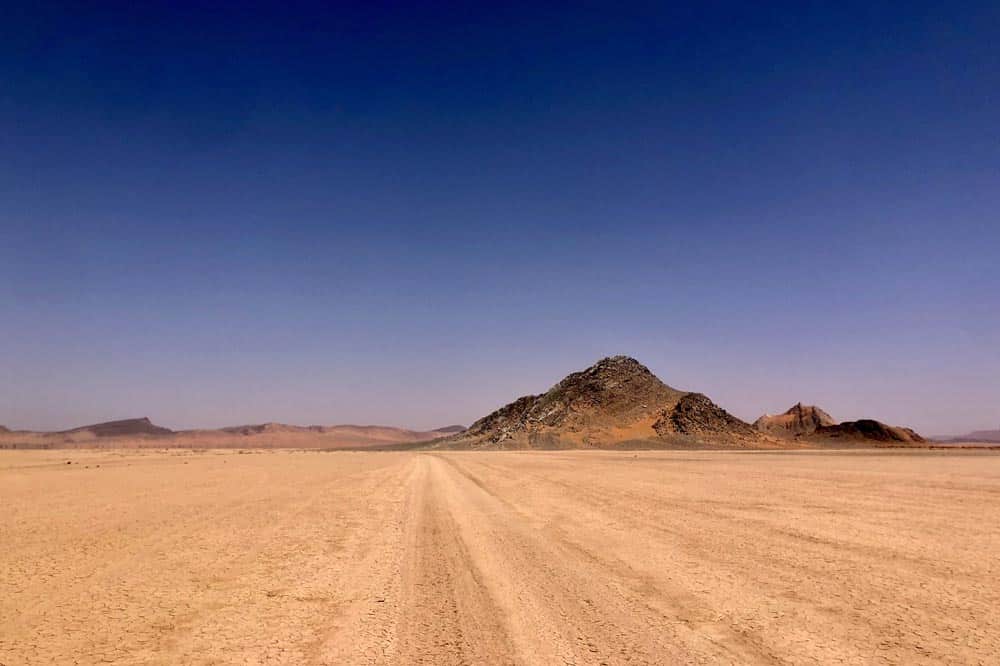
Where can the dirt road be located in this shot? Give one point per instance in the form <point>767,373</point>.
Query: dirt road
<point>499,558</point>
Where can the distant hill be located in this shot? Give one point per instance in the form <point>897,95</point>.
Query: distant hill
<point>809,423</point>
<point>281,435</point>
<point>615,402</point>
<point>868,430</point>
<point>265,428</point>
<point>136,432</point>
<point>451,429</point>
<point>142,433</point>
<point>123,428</point>
<point>799,420</point>
<point>983,436</point>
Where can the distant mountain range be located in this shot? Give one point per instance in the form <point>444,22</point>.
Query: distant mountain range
<point>615,403</point>
<point>976,436</point>
<point>142,433</point>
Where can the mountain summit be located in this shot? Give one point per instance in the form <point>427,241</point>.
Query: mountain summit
<point>616,401</point>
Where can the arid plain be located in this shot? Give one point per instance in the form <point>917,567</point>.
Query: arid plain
<point>571,557</point>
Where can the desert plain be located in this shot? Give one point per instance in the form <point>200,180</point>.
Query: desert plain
<point>569,557</point>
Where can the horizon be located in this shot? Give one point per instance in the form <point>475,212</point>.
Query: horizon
<point>409,217</point>
<point>154,421</point>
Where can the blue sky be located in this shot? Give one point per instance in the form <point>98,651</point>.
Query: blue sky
<point>385,213</point>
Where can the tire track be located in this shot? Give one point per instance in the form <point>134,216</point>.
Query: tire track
<point>567,605</point>
<point>447,615</point>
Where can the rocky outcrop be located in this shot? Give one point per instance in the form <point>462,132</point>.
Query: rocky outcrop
<point>695,414</point>
<point>506,422</point>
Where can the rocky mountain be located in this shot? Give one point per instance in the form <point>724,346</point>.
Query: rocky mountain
<point>799,420</point>
<point>615,402</point>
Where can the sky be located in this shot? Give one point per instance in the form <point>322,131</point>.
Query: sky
<point>411,213</point>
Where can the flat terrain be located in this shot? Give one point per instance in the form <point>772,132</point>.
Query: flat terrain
<point>179,557</point>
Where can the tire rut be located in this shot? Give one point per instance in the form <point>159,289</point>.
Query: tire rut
<point>447,616</point>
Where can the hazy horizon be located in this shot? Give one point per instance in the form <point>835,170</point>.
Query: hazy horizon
<point>254,418</point>
<point>384,214</point>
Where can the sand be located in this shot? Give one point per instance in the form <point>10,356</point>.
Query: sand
<point>502,558</point>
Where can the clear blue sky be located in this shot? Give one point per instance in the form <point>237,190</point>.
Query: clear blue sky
<point>402,214</point>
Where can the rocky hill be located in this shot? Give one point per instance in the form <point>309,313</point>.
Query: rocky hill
<point>799,420</point>
<point>869,431</point>
<point>615,402</point>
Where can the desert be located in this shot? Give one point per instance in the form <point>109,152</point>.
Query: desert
<point>499,334</point>
<point>499,557</point>
<point>611,519</point>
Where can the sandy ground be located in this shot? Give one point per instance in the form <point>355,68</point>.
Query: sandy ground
<point>499,558</point>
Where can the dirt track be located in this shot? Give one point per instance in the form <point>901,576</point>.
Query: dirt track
<point>541,558</point>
